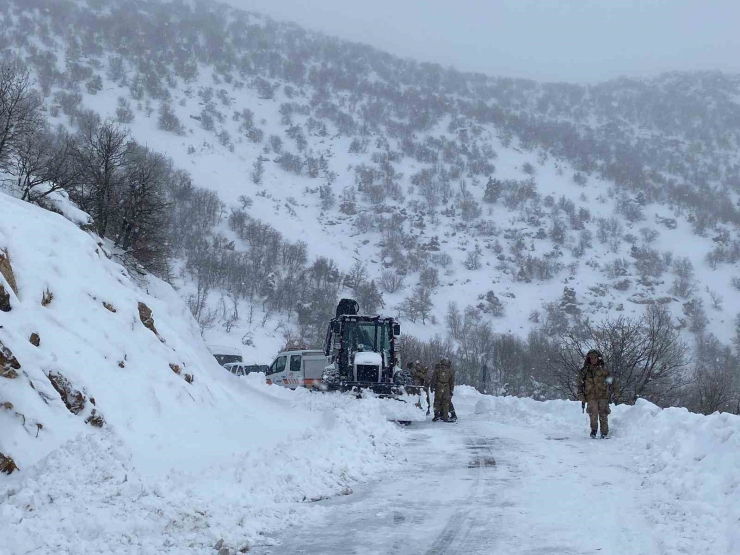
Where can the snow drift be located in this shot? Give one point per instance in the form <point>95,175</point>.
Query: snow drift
<point>682,457</point>
<point>126,433</point>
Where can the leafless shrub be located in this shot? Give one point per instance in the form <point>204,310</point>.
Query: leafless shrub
<point>391,281</point>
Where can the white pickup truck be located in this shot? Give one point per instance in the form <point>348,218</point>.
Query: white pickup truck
<point>297,369</point>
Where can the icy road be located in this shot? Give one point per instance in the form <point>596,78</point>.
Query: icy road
<point>521,483</point>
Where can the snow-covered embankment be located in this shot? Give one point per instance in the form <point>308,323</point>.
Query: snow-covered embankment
<point>684,460</point>
<point>127,436</point>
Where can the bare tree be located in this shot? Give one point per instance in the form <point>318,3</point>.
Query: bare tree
<point>646,356</point>
<point>100,151</point>
<point>454,321</point>
<point>716,383</point>
<point>43,165</point>
<point>391,281</point>
<point>20,110</point>
<point>141,223</point>
<point>356,275</point>
<point>683,285</point>
<point>716,299</point>
<point>418,304</point>
<point>258,170</point>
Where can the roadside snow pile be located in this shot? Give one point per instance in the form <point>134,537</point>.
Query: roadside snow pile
<point>691,458</point>
<point>127,435</point>
<point>544,414</point>
<point>89,497</point>
<point>680,456</point>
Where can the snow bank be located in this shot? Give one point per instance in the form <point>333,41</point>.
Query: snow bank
<point>691,458</point>
<point>187,453</point>
<point>682,457</point>
<point>518,410</point>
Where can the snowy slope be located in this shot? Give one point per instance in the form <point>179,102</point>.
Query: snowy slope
<point>291,204</point>
<point>221,157</point>
<point>177,463</point>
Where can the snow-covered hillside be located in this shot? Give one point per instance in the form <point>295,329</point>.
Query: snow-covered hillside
<point>126,433</point>
<point>542,207</point>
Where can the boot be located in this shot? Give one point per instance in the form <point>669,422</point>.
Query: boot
<point>593,433</point>
<point>604,435</point>
<point>436,417</point>
<point>453,416</point>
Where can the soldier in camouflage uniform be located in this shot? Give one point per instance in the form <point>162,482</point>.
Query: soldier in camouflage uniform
<point>420,375</point>
<point>443,383</point>
<point>594,384</point>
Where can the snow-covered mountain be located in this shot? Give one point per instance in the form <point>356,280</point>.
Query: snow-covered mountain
<point>538,205</point>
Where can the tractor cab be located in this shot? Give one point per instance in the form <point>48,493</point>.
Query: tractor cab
<point>363,352</point>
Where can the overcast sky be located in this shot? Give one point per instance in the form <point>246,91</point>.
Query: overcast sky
<point>547,40</point>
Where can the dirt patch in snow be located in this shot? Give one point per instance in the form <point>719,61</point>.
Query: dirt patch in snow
<point>4,299</point>
<point>8,363</point>
<point>95,419</point>
<point>145,315</point>
<point>7,465</point>
<point>73,399</point>
<point>7,270</point>
<point>47,297</point>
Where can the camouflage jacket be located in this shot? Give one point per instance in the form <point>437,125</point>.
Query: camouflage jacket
<point>592,382</point>
<point>442,376</point>
<point>419,373</point>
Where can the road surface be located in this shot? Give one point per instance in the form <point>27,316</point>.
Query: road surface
<point>482,486</point>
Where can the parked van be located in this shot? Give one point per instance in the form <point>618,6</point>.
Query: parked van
<point>297,369</point>
<point>224,354</point>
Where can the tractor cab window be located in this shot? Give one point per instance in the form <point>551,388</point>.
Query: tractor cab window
<point>369,337</point>
<point>362,335</point>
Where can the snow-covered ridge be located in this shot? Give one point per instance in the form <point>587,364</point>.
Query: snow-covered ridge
<point>178,452</point>
<point>88,314</point>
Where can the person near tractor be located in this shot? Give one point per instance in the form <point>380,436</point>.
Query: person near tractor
<point>595,386</point>
<point>420,376</point>
<point>443,383</point>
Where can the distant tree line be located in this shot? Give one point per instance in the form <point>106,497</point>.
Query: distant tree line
<point>124,186</point>
<point>647,356</point>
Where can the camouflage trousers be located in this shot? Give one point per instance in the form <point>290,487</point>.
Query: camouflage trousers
<point>422,391</point>
<point>442,401</point>
<point>598,412</point>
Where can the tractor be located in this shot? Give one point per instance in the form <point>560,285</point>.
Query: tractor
<point>363,354</point>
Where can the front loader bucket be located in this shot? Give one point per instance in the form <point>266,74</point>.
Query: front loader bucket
<point>381,390</point>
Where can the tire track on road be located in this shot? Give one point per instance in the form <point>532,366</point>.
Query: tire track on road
<point>456,534</point>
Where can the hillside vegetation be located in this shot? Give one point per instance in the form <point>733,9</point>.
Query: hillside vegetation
<point>266,170</point>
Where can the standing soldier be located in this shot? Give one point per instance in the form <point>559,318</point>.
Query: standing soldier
<point>443,382</point>
<point>594,381</point>
<point>420,377</point>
